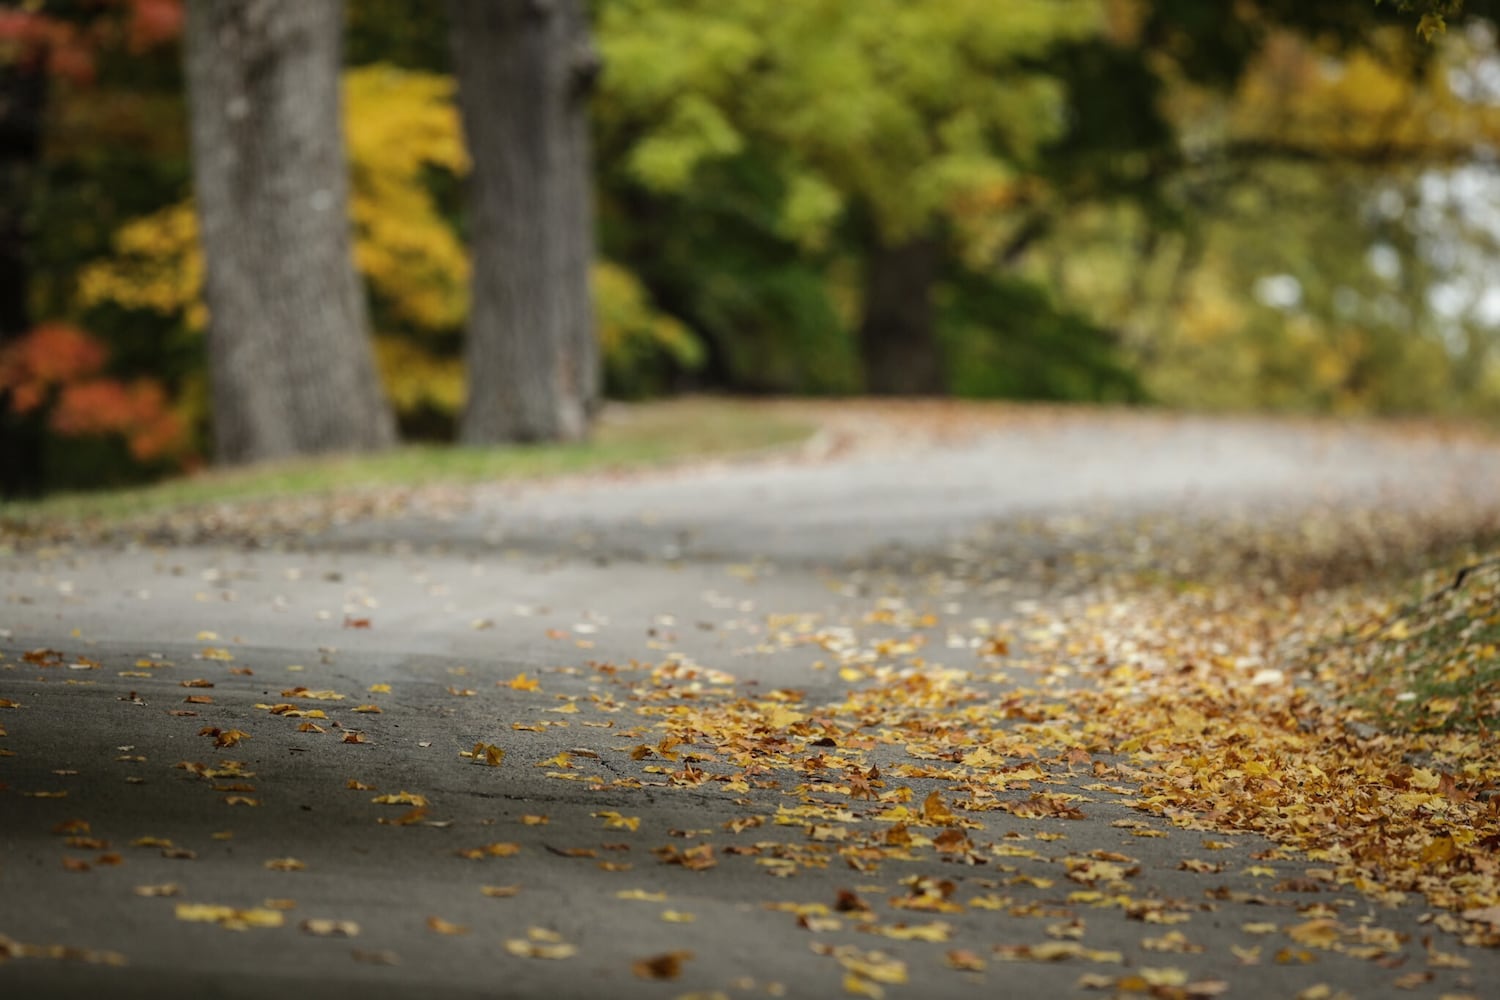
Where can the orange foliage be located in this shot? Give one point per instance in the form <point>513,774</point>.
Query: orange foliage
<point>68,47</point>
<point>61,364</point>
<point>49,355</point>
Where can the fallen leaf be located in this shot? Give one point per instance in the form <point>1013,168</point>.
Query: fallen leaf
<point>164,889</point>
<point>330,928</point>
<point>440,926</point>
<point>229,917</point>
<point>500,891</point>
<point>665,966</point>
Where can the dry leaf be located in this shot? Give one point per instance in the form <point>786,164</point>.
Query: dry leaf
<point>665,966</point>
<point>440,926</point>
<point>330,928</point>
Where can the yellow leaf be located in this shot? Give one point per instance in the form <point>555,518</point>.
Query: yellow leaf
<point>402,798</point>
<point>440,926</point>
<point>642,895</point>
<point>500,891</point>
<point>330,928</point>
<point>229,917</point>
<point>614,821</point>
<point>856,985</point>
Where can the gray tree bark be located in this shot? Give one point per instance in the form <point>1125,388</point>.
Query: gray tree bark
<point>525,69</point>
<point>290,360</point>
<point>898,342</point>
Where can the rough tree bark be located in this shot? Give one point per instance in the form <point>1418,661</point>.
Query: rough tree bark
<point>290,360</point>
<point>525,69</point>
<point>23,100</point>
<point>898,342</point>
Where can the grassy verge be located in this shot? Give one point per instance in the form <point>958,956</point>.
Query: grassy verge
<point>1434,663</point>
<point>627,436</point>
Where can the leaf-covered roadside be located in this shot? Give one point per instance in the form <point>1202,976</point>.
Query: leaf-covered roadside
<point>1044,745</point>
<point>1309,701</point>
<point>1431,664</point>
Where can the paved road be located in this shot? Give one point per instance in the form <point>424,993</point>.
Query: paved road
<point>690,602</point>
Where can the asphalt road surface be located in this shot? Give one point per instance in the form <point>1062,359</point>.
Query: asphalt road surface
<point>147,850</point>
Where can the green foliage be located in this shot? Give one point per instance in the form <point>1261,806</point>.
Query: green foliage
<point>404,140</point>
<point>641,346</point>
<point>1006,338</point>
<point>1109,181</point>
<point>905,108</point>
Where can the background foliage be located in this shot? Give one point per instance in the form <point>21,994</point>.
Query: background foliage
<point>1134,201</point>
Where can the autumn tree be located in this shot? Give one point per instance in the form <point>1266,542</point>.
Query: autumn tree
<point>888,117</point>
<point>525,70</point>
<point>290,362</point>
<point>22,99</point>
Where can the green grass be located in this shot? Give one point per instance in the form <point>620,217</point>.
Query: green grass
<point>626,436</point>
<point>1436,665</point>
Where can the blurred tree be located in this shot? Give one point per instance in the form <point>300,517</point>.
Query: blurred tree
<point>884,116</point>
<point>290,362</point>
<point>525,71</point>
<point>47,49</point>
<point>23,86</point>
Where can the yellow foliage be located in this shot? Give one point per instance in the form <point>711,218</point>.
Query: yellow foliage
<point>156,267</point>
<point>628,325</point>
<point>415,378</point>
<point>1371,100</point>
<point>400,125</point>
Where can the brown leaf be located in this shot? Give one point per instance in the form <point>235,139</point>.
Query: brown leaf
<point>665,966</point>
<point>440,926</point>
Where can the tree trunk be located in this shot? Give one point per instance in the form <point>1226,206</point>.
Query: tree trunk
<point>23,101</point>
<point>525,69</point>
<point>898,342</point>
<point>290,360</point>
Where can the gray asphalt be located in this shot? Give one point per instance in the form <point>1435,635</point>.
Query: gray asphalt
<point>626,596</point>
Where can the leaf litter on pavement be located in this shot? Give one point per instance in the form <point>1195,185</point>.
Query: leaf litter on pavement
<point>1173,680</point>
